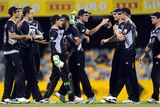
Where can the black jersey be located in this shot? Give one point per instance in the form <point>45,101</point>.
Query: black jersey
<point>70,36</point>
<point>25,30</point>
<point>30,28</point>
<point>36,29</point>
<point>57,41</point>
<point>129,31</point>
<point>155,34</point>
<point>82,29</point>
<point>9,43</point>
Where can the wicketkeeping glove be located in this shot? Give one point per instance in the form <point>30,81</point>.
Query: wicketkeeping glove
<point>58,62</point>
<point>72,17</point>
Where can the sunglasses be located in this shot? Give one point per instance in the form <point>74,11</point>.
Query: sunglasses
<point>17,11</point>
<point>117,14</point>
<point>86,15</point>
<point>153,17</point>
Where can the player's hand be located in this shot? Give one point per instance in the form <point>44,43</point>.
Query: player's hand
<point>141,58</point>
<point>104,21</point>
<point>87,39</point>
<point>158,56</point>
<point>78,42</point>
<point>103,41</point>
<point>108,25</point>
<point>44,42</point>
<point>29,37</point>
<point>67,54</point>
<point>115,27</point>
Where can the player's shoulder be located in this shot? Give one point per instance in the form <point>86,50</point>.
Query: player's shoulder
<point>24,23</point>
<point>10,22</point>
<point>78,24</point>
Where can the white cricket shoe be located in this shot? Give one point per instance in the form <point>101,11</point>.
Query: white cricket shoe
<point>152,100</point>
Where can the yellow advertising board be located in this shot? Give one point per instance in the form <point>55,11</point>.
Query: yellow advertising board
<point>101,88</point>
<point>96,7</point>
<point>138,6</point>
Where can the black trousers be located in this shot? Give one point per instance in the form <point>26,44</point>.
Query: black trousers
<point>14,72</point>
<point>29,66</point>
<point>77,64</point>
<point>126,71</point>
<point>155,75</point>
<point>114,72</point>
<point>36,57</point>
<point>55,76</point>
<point>115,65</point>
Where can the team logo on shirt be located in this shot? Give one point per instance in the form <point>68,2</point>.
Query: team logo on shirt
<point>83,30</point>
<point>52,38</point>
<point>125,31</point>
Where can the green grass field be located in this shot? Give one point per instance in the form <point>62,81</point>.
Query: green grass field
<point>97,104</point>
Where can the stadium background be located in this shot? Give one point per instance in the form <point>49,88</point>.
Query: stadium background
<point>98,58</point>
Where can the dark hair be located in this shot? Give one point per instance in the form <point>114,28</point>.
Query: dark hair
<point>13,9</point>
<point>126,10</point>
<point>157,14</point>
<point>66,17</point>
<point>26,10</point>
<point>54,18</point>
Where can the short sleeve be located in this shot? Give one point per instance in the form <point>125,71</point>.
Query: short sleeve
<point>53,35</point>
<point>81,28</point>
<point>126,29</point>
<point>24,28</point>
<point>12,29</point>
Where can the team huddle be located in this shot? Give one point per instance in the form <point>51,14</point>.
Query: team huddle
<point>22,37</point>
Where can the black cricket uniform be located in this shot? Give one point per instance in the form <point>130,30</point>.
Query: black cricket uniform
<point>155,73</point>
<point>115,61</point>
<point>77,67</point>
<point>126,69</point>
<point>28,60</point>
<point>58,48</point>
<point>72,34</point>
<point>36,29</point>
<point>14,70</point>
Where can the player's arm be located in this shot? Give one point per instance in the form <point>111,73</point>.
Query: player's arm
<point>158,56</point>
<point>147,49</point>
<point>77,41</point>
<point>77,36</point>
<point>119,35</point>
<point>39,37</point>
<point>13,35</point>
<point>39,32</point>
<point>41,42</point>
<point>109,40</point>
<point>94,30</point>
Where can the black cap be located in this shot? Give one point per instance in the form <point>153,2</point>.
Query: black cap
<point>117,10</point>
<point>82,12</point>
<point>157,14</point>
<point>126,10</point>
<point>65,17</point>
<point>13,9</point>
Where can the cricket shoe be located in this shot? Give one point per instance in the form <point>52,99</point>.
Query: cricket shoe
<point>110,99</point>
<point>91,99</point>
<point>6,101</point>
<point>152,100</point>
<point>60,97</point>
<point>128,101</point>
